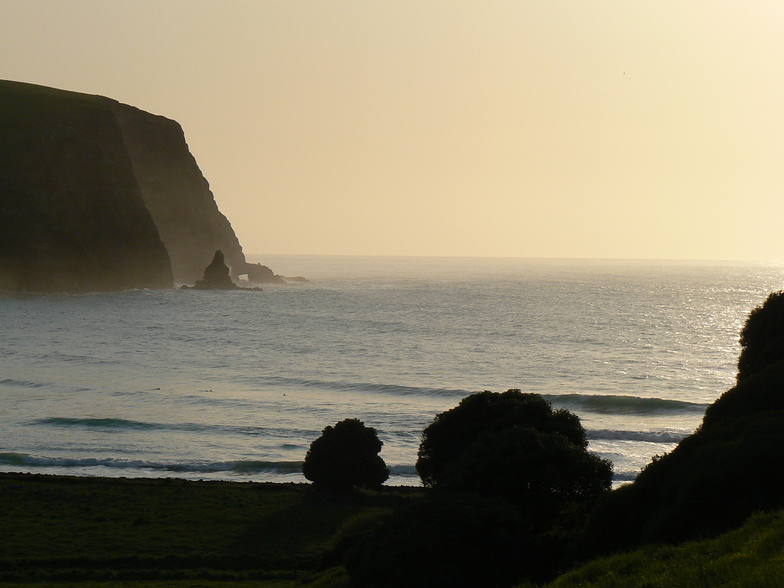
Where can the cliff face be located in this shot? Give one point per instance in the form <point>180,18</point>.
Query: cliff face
<point>177,195</point>
<point>96,195</point>
<point>72,216</point>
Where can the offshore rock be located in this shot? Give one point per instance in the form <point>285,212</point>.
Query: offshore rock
<point>261,274</point>
<point>216,276</point>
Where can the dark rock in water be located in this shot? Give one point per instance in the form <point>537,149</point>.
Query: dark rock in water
<point>261,274</point>
<point>216,276</point>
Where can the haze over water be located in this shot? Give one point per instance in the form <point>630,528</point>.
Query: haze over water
<point>235,385</point>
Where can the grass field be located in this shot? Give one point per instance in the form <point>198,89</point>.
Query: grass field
<point>78,529</point>
<point>101,532</point>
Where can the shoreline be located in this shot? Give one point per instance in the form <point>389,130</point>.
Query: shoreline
<point>395,481</point>
<point>166,480</point>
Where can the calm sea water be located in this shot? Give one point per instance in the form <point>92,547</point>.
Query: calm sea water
<point>236,385</point>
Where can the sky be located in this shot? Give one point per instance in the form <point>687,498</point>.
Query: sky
<point>530,128</point>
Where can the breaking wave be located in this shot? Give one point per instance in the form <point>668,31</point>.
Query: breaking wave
<point>21,383</point>
<point>623,404</point>
<point>125,424</point>
<point>392,389</point>
<point>242,466</point>
<point>612,403</point>
<point>85,464</point>
<point>646,436</point>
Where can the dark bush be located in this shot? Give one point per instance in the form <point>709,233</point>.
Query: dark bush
<point>511,483</point>
<point>761,392</point>
<point>451,432</point>
<point>711,483</point>
<point>453,541</point>
<point>346,457</point>
<point>762,337</point>
<point>351,533</point>
<point>542,473</point>
<point>726,471</point>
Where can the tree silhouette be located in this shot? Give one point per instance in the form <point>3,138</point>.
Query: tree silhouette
<point>346,457</point>
<point>511,481</point>
<point>453,431</point>
<point>542,473</point>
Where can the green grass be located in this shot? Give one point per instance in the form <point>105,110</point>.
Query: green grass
<point>750,556</point>
<point>113,530</point>
<point>335,578</point>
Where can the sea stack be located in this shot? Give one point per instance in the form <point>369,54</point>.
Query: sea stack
<point>216,276</point>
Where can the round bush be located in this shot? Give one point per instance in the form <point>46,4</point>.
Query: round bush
<point>346,457</point>
<point>453,431</point>
<point>541,472</point>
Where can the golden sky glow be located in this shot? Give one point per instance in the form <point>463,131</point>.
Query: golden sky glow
<point>531,128</point>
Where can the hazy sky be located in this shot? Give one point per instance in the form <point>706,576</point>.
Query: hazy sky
<point>529,128</point>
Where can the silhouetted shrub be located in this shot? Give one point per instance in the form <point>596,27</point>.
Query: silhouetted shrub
<point>760,392</point>
<point>709,484</point>
<point>726,471</point>
<point>453,541</point>
<point>346,457</point>
<point>511,482</point>
<point>542,473</point>
<point>453,431</point>
<point>350,533</point>
<point>762,337</point>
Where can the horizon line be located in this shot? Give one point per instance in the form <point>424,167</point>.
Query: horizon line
<point>526,258</point>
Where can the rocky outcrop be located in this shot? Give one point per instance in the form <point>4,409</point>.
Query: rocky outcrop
<point>96,195</point>
<point>216,276</point>
<point>261,274</point>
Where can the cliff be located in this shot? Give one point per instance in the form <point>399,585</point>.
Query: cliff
<point>177,195</point>
<point>96,195</point>
<point>72,216</point>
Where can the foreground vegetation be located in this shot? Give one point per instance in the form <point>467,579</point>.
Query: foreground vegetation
<point>750,556</point>
<point>62,531</point>
<point>76,529</point>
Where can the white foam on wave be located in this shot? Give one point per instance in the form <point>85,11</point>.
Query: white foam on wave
<point>646,436</point>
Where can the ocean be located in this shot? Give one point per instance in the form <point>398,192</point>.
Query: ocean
<point>236,385</point>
